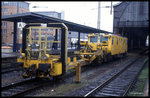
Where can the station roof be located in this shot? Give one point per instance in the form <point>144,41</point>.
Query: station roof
<point>31,17</point>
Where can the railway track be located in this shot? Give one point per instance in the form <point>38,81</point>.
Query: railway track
<point>9,59</point>
<point>10,69</point>
<point>119,83</point>
<point>13,67</point>
<point>19,89</point>
<point>23,87</point>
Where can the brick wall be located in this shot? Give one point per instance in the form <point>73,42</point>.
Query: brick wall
<point>8,26</point>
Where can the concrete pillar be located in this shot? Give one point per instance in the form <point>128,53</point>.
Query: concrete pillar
<point>132,44</point>
<point>139,43</point>
<point>78,41</point>
<point>15,37</point>
<point>64,53</point>
<point>56,39</point>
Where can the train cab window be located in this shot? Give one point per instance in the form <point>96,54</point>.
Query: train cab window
<point>94,39</point>
<point>103,39</point>
<point>47,32</point>
<point>117,41</point>
<point>35,33</point>
<point>112,40</point>
<point>124,41</point>
<point>120,41</point>
<point>33,37</point>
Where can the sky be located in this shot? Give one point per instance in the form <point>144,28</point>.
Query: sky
<point>84,13</point>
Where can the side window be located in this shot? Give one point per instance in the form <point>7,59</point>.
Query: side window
<point>117,41</point>
<point>121,41</point>
<point>124,41</point>
<point>112,40</point>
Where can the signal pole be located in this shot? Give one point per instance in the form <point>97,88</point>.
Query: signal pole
<point>111,8</point>
<point>98,18</point>
<point>17,7</point>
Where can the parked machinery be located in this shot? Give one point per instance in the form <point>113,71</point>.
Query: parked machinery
<point>113,46</point>
<point>92,49</point>
<point>37,58</point>
<point>36,55</point>
<point>103,47</point>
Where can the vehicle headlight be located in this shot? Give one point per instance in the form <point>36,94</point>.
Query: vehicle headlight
<point>90,55</point>
<point>37,45</point>
<point>21,56</point>
<point>29,45</point>
<point>45,57</point>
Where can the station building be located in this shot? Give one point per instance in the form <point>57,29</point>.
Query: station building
<point>131,19</point>
<point>10,8</point>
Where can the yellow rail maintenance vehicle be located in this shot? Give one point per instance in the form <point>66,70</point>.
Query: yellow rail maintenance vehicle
<point>103,47</point>
<point>36,56</point>
<point>38,59</point>
<point>83,43</point>
<point>92,50</point>
<point>113,46</point>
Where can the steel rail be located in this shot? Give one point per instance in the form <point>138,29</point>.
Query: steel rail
<point>16,84</point>
<point>107,81</point>
<point>134,80</point>
<point>30,89</point>
<point>29,85</point>
<point>10,70</point>
<point>99,87</point>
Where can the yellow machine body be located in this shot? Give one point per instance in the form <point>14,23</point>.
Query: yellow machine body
<point>92,49</point>
<point>38,61</point>
<point>93,41</point>
<point>114,45</point>
<point>101,46</point>
<point>56,67</point>
<point>83,43</point>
